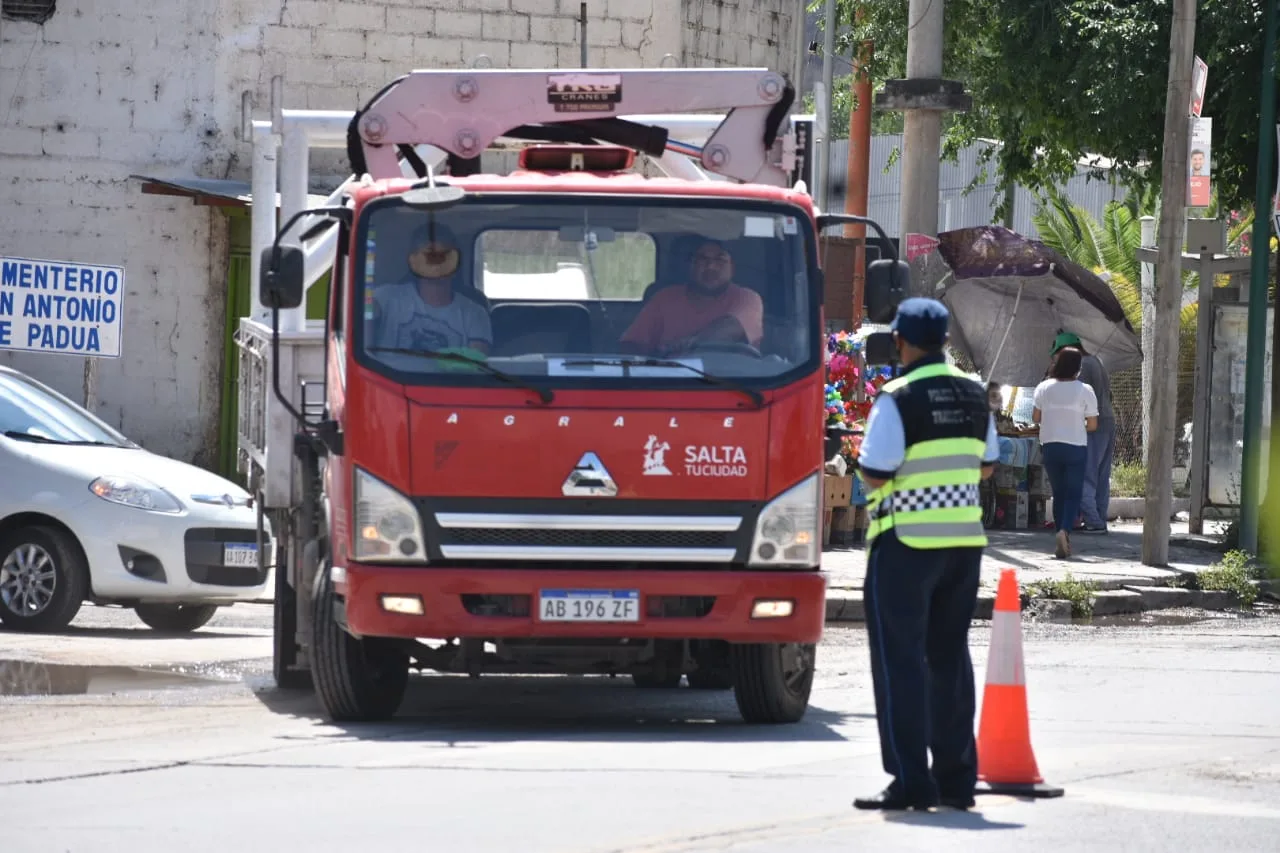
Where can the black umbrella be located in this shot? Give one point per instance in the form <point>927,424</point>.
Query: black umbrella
<point>1010,296</point>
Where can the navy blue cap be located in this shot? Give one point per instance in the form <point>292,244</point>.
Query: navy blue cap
<point>922,322</point>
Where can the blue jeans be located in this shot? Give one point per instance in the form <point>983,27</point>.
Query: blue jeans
<point>1064,466</point>
<point>1095,500</point>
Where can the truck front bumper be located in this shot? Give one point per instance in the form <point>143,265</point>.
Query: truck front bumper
<point>485,603</point>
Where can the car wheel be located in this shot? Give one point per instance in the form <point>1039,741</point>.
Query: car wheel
<point>176,618</point>
<point>772,681</point>
<point>357,680</point>
<point>44,578</point>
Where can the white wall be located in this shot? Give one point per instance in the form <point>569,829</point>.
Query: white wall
<point>101,90</point>
<point>109,88</point>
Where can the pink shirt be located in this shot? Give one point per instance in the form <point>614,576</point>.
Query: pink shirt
<point>673,314</point>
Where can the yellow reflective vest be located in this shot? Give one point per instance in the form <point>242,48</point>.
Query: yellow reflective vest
<point>932,500</point>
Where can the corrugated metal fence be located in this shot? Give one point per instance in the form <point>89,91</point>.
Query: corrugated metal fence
<point>956,210</point>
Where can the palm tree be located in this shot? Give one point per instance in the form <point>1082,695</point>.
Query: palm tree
<point>1109,248</point>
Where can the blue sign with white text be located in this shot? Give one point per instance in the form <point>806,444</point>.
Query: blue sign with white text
<point>61,307</point>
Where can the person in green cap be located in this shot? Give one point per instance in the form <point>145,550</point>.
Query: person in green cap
<point>1095,499</point>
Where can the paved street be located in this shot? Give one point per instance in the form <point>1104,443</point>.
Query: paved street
<point>1163,736</point>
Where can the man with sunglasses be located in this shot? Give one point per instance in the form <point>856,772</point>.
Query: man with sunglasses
<point>423,312</point>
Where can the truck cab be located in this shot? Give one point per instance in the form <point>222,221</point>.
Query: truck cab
<point>572,415</point>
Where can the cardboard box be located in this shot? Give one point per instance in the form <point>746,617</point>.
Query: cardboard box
<point>1010,479</point>
<point>1016,508</point>
<point>838,490</point>
<point>1038,482</point>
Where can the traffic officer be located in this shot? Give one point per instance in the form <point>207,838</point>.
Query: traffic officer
<point>930,440</point>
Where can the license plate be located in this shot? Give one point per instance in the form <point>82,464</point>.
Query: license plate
<point>240,555</point>
<point>589,605</point>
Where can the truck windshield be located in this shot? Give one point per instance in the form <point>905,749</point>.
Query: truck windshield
<point>588,291</point>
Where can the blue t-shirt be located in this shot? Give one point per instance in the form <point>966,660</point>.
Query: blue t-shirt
<point>407,322</point>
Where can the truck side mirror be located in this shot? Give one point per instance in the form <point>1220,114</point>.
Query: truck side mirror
<point>878,350</point>
<point>887,284</point>
<point>281,277</point>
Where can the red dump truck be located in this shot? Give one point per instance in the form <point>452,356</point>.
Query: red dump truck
<point>563,416</point>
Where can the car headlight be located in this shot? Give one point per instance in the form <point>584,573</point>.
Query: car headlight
<point>387,525</point>
<point>135,492</point>
<point>787,532</point>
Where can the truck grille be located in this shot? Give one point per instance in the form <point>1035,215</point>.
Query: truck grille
<point>591,538</point>
<point>588,537</point>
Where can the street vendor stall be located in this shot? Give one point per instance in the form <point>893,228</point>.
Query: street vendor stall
<point>851,388</point>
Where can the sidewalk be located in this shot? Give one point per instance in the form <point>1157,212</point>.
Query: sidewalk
<point>1112,561</point>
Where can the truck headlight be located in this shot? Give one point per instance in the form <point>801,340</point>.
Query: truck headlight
<point>388,528</point>
<point>787,532</point>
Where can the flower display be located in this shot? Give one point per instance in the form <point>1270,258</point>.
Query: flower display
<point>851,388</point>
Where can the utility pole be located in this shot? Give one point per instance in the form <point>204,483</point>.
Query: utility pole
<point>1255,352</point>
<point>822,192</point>
<point>859,167</point>
<point>1168,296</point>
<point>924,96</point>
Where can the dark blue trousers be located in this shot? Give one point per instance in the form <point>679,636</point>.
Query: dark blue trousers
<point>919,604</point>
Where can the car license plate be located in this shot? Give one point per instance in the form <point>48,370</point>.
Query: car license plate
<point>240,555</point>
<point>589,605</point>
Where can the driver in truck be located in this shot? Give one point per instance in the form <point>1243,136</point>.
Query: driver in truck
<point>423,312</point>
<point>710,308</point>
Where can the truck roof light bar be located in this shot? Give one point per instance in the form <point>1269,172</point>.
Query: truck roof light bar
<point>577,158</point>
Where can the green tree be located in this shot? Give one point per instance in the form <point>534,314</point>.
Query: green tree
<point>1060,80</point>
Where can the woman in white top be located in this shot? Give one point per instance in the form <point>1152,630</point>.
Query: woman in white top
<point>1067,411</point>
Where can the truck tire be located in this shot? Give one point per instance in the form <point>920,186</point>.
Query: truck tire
<point>176,618</point>
<point>356,680</point>
<point>44,578</point>
<point>772,682</point>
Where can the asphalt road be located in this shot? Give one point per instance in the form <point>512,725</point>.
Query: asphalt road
<point>1163,736</point>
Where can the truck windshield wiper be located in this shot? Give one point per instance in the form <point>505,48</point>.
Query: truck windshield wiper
<point>546,395</point>
<point>709,378</point>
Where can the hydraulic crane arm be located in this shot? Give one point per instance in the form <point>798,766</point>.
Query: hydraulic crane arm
<point>464,111</point>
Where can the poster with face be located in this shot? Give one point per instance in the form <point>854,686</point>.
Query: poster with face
<point>1198,162</point>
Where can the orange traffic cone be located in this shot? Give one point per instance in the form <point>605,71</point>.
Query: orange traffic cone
<point>1006,761</point>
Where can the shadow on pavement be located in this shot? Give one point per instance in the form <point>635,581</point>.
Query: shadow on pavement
<point>457,709</point>
<point>951,819</point>
<point>142,632</point>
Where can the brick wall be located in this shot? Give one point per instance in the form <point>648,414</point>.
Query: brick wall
<point>110,88</point>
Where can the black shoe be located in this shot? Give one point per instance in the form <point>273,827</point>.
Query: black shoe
<point>890,800</point>
<point>961,803</point>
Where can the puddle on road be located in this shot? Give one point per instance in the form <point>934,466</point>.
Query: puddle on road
<point>30,678</point>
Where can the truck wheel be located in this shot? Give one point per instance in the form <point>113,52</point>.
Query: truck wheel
<point>356,680</point>
<point>176,618</point>
<point>711,679</point>
<point>772,682</point>
<point>44,578</point>
<point>284,625</point>
<point>652,680</point>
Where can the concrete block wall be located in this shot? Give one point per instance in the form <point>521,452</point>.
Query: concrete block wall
<point>110,88</point>
<point>101,90</point>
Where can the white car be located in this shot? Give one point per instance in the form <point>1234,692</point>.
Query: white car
<point>87,515</point>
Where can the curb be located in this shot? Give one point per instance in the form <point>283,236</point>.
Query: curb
<point>846,605</point>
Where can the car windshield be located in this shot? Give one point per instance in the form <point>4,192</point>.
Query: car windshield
<point>601,291</point>
<point>31,412</point>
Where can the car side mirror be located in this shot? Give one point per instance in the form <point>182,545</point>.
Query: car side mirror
<point>281,277</point>
<point>888,282</point>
